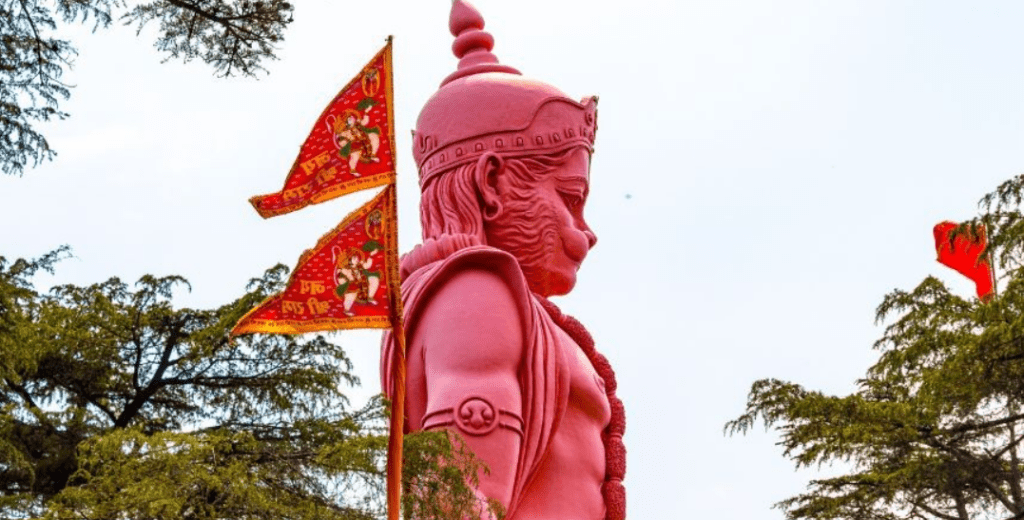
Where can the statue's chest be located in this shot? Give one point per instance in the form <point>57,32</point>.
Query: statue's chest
<point>587,395</point>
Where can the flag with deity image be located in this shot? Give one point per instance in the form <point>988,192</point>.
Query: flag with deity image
<point>344,282</point>
<point>349,280</point>
<point>350,148</point>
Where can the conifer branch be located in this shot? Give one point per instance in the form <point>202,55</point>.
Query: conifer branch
<point>933,512</point>
<point>933,425</point>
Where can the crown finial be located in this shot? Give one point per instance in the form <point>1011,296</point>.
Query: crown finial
<point>472,44</point>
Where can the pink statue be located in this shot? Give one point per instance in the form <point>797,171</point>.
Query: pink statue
<point>504,173</point>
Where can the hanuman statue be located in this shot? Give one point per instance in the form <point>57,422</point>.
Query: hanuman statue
<point>504,171</point>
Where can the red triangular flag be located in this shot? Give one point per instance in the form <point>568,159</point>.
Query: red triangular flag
<point>350,148</point>
<point>344,282</point>
<point>963,254</point>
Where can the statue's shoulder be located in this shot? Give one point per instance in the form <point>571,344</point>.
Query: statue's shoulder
<point>464,296</point>
<point>457,278</point>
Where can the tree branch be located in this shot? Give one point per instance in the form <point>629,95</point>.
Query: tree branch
<point>934,512</point>
<point>981,426</point>
<point>38,40</point>
<point>1015,476</point>
<point>136,404</point>
<point>106,411</point>
<point>36,411</point>
<point>220,20</point>
<point>961,505</point>
<point>994,489</point>
<point>22,392</point>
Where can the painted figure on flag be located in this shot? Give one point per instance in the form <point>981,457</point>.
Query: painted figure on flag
<point>370,82</point>
<point>356,140</point>
<point>375,225</point>
<point>354,279</point>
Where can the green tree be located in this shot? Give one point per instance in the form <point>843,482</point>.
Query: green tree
<point>935,427</point>
<point>233,36</point>
<point>114,404</point>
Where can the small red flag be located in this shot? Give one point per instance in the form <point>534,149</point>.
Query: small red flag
<point>963,254</point>
<point>344,282</point>
<point>350,148</point>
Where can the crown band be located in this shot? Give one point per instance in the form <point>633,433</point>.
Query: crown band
<point>557,124</point>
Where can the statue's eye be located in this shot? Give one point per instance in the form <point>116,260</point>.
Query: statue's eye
<point>572,200</point>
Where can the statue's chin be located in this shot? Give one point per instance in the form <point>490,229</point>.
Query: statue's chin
<point>549,282</point>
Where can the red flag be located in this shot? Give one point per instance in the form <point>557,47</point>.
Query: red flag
<point>963,254</point>
<point>350,148</point>
<point>347,281</point>
<point>350,278</point>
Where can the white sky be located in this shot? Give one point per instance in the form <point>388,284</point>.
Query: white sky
<point>765,173</point>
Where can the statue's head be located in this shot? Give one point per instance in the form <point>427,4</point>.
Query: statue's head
<point>506,159</point>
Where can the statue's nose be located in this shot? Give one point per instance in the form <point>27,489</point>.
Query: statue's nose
<point>591,238</point>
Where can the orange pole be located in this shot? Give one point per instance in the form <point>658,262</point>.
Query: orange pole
<point>397,426</point>
<point>396,433</point>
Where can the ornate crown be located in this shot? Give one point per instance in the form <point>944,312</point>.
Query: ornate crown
<point>485,106</point>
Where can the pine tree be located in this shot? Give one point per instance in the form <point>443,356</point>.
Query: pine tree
<point>115,404</point>
<point>233,36</point>
<point>935,427</point>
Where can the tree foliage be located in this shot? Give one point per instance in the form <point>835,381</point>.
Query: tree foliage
<point>233,36</point>
<point>934,430</point>
<point>115,404</point>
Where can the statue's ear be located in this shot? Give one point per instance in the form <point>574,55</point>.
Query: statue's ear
<point>489,169</point>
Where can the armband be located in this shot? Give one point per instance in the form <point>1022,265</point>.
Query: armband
<point>474,416</point>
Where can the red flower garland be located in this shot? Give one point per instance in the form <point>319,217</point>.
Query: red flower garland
<point>615,451</point>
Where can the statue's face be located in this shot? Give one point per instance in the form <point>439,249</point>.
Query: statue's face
<point>546,230</point>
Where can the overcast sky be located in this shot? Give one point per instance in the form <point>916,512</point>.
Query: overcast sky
<point>765,173</point>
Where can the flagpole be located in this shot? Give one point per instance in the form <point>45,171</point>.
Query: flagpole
<point>396,435</point>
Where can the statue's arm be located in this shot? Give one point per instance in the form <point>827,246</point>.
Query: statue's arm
<point>471,337</point>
